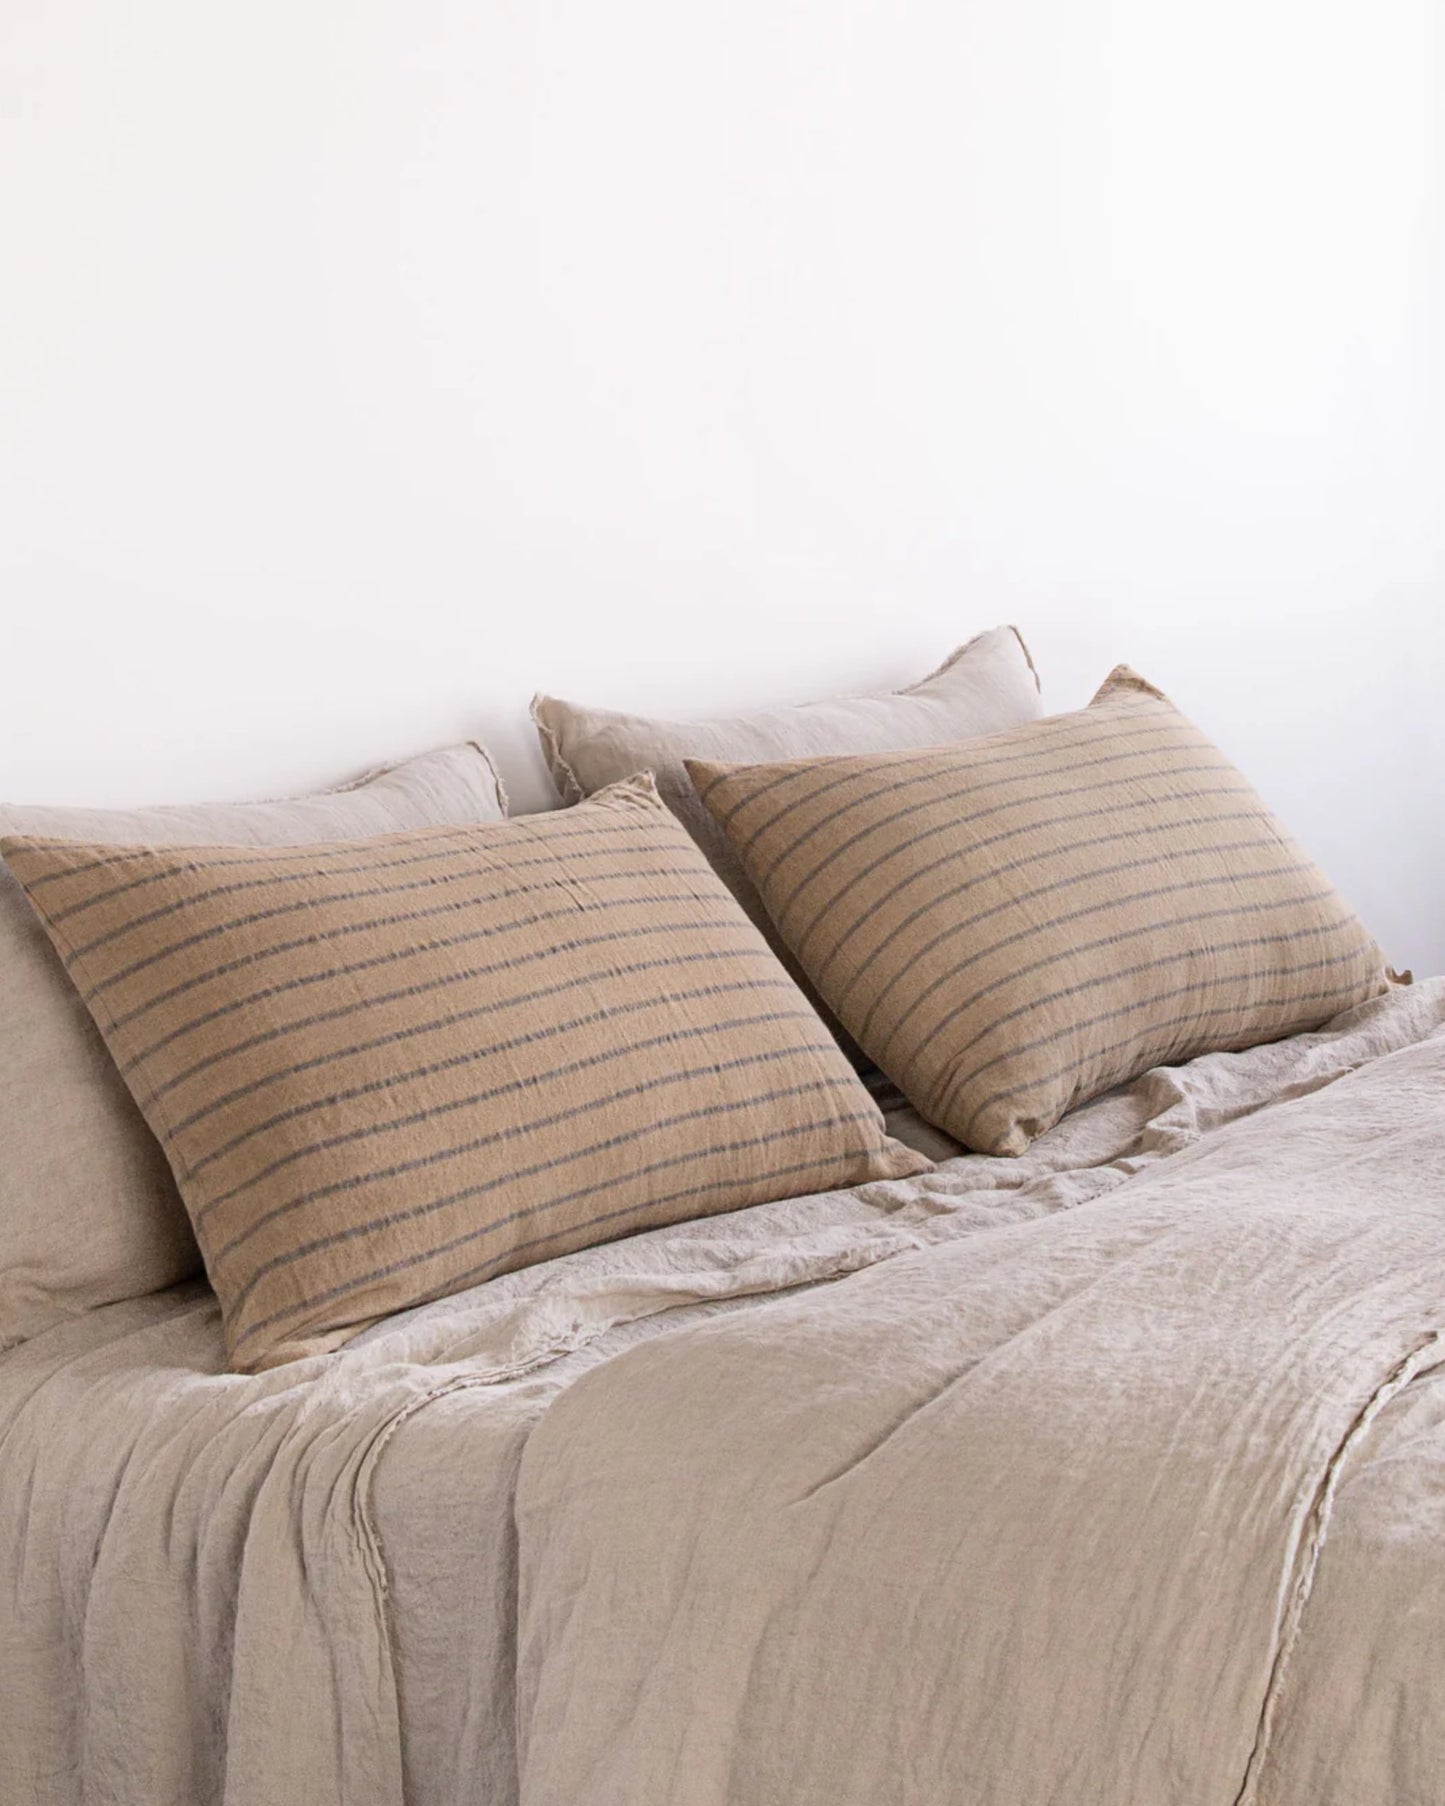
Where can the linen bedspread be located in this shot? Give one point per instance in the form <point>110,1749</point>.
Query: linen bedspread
<point>1122,1496</point>
<point>1122,1507</point>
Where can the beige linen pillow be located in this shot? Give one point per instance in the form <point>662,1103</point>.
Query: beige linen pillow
<point>1011,926</point>
<point>385,1070</point>
<point>88,1211</point>
<point>984,686</point>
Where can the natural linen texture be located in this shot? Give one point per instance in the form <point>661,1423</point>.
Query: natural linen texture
<point>1137,1504</point>
<point>1051,1508</point>
<point>88,1209</point>
<point>386,1070</point>
<point>1012,926</point>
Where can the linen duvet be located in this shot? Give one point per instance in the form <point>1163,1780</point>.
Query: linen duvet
<point>1113,1473</point>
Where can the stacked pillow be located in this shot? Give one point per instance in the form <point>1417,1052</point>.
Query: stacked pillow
<point>387,1069</point>
<point>986,685</point>
<point>89,1212</point>
<point>360,1050</point>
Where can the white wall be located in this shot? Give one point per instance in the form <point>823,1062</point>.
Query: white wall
<point>365,364</point>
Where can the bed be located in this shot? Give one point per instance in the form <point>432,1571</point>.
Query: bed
<point>1114,1472</point>
<point>612,1379</point>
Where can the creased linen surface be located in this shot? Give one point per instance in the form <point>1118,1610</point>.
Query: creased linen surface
<point>306,1584</point>
<point>1035,1515</point>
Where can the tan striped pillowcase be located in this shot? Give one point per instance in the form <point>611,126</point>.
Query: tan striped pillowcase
<point>89,1212</point>
<point>1011,926</point>
<point>388,1069</point>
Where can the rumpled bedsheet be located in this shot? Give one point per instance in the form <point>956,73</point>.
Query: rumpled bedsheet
<point>1111,1474</point>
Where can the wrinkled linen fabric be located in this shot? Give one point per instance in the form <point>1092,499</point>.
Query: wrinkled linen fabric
<point>1035,1516</point>
<point>1107,1473</point>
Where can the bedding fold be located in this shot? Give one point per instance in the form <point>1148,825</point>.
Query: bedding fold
<point>937,1427</point>
<point>1033,1515</point>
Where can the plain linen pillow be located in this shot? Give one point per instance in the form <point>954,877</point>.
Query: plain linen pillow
<point>1012,926</point>
<point>385,1070</point>
<point>88,1210</point>
<point>986,685</point>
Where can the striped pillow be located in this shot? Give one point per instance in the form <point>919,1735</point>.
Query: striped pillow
<point>89,1212</point>
<point>1011,926</point>
<point>388,1069</point>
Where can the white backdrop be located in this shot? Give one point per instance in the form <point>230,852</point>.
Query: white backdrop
<point>365,365</point>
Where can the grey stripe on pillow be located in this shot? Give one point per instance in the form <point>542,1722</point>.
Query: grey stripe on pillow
<point>568,1031</point>
<point>1010,926</point>
<point>89,1213</point>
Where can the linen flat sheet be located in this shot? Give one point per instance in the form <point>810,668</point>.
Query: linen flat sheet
<point>1113,1473</point>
